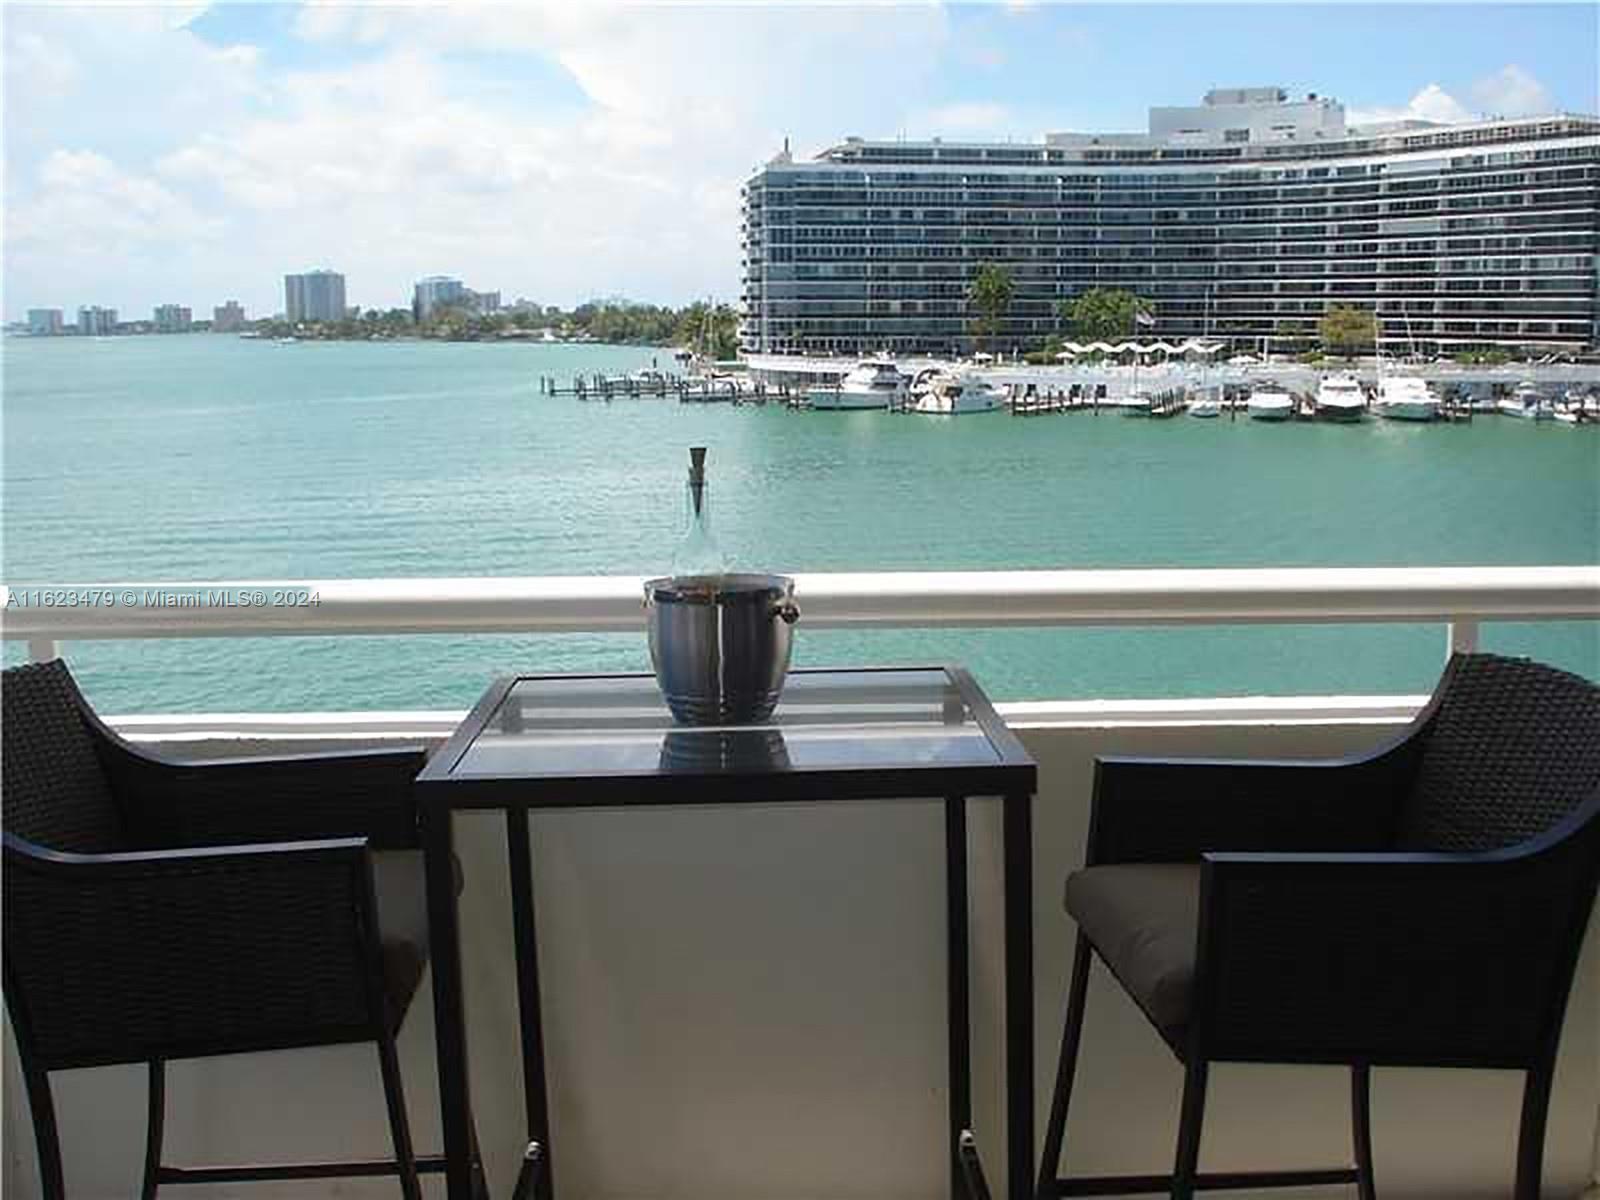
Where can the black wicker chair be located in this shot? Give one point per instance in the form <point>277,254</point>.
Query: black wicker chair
<point>160,910</point>
<point>1420,906</point>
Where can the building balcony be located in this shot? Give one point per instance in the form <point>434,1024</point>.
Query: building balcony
<point>750,1002</point>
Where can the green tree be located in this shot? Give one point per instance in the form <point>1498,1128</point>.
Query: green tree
<point>711,332</point>
<point>1101,314</point>
<point>990,296</point>
<point>1346,330</point>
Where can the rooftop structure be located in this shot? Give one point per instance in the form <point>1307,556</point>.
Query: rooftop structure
<point>1244,217</point>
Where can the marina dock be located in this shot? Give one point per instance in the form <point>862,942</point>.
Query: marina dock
<point>683,389</point>
<point>1150,392</point>
<point>1030,400</point>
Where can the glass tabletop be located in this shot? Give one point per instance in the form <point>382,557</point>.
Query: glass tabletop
<point>588,725</point>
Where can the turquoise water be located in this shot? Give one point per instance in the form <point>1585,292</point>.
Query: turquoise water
<point>203,458</point>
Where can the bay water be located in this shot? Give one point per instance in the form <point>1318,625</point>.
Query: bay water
<point>203,457</point>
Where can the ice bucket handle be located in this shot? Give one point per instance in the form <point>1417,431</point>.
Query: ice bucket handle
<point>788,612</point>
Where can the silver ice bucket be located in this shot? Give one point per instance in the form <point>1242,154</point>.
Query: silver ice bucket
<point>720,644</point>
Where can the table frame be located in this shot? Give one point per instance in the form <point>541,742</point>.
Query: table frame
<point>1013,778</point>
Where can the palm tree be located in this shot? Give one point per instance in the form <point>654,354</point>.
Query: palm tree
<point>990,294</point>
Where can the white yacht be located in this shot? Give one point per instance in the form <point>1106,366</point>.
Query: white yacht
<point>1577,408</point>
<point>948,394</point>
<point>1406,398</point>
<point>1139,403</point>
<point>1269,402</point>
<point>876,383</point>
<point>1528,402</point>
<point>1341,398</point>
<point>1205,402</point>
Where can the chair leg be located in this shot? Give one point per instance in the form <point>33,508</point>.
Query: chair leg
<point>1066,1071</point>
<point>480,1182</point>
<point>532,1169</point>
<point>46,1135</point>
<point>1361,1129</point>
<point>1187,1165</point>
<point>399,1128</point>
<point>154,1127</point>
<point>972,1175</point>
<point>1530,1139</point>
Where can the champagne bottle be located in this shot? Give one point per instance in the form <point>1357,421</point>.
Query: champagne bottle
<point>697,552</point>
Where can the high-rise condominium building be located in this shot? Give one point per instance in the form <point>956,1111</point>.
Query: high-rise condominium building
<point>44,322</point>
<point>437,291</point>
<point>1245,217</point>
<point>173,318</point>
<point>94,321</point>
<point>227,318</point>
<point>314,296</point>
<point>446,291</point>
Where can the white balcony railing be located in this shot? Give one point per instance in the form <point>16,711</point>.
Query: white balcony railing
<point>1460,597</point>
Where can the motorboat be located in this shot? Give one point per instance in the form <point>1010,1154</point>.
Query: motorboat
<point>1341,398</point>
<point>1269,402</point>
<point>716,385</point>
<point>876,383</point>
<point>1406,398</point>
<point>1577,408</point>
<point>949,394</point>
<point>1528,402</point>
<point>1138,403</point>
<point>1205,402</point>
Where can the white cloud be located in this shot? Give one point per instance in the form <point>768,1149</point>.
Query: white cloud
<point>89,209</point>
<point>1508,92</point>
<point>39,69</point>
<point>1512,92</point>
<point>388,168</point>
<point>1431,103</point>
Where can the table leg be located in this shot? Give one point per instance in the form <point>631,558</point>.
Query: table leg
<point>535,1093</point>
<point>449,1015</point>
<point>1018,854</point>
<point>957,984</point>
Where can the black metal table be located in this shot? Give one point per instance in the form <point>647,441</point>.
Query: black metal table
<point>581,741</point>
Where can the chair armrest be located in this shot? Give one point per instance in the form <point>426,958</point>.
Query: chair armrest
<point>359,794</point>
<point>1174,810</point>
<point>1432,959</point>
<point>177,952</point>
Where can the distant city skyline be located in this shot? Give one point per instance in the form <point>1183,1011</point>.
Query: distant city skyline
<point>565,152</point>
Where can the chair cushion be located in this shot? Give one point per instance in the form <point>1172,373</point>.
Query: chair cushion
<point>401,886</point>
<point>1143,918</point>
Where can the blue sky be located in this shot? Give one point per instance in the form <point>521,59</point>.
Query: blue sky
<point>561,151</point>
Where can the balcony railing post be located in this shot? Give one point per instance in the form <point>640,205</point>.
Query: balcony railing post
<point>1462,637</point>
<point>42,649</point>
